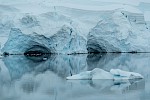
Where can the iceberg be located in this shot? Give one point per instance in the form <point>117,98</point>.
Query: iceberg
<point>124,74</point>
<point>65,41</point>
<point>113,32</point>
<point>119,32</point>
<point>114,74</point>
<point>73,28</point>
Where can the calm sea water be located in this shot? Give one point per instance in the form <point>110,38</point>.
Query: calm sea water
<point>29,78</point>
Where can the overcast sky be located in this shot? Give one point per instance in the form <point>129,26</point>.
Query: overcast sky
<point>132,2</point>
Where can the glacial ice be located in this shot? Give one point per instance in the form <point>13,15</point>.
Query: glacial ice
<point>113,33</point>
<point>116,33</point>
<point>125,74</point>
<point>65,28</point>
<point>38,26</point>
<point>97,73</point>
<point>65,41</point>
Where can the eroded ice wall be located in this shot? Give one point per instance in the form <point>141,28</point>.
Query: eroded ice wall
<point>65,41</point>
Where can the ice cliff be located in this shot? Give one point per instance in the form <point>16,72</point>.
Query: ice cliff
<point>118,33</point>
<point>68,29</point>
<point>65,41</point>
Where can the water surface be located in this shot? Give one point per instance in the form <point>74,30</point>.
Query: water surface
<point>29,78</point>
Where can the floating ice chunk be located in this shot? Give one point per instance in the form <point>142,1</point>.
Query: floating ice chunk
<point>98,73</point>
<point>115,74</point>
<point>83,75</point>
<point>124,74</point>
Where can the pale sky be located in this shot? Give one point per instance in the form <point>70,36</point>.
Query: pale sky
<point>132,2</point>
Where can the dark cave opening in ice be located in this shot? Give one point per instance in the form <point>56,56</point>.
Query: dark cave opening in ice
<point>37,53</point>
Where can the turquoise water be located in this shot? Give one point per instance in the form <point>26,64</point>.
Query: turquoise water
<point>26,78</point>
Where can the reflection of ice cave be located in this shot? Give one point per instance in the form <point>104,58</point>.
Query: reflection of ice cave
<point>67,65</point>
<point>62,65</point>
<point>32,76</point>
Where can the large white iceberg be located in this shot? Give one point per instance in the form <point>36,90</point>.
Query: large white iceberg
<point>75,28</point>
<point>65,41</point>
<point>97,73</point>
<point>120,32</point>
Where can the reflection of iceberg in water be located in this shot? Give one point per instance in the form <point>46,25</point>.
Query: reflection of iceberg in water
<point>60,64</point>
<point>100,60</point>
<point>138,63</point>
<point>46,79</point>
<point>66,65</point>
<point>109,86</point>
<point>131,85</point>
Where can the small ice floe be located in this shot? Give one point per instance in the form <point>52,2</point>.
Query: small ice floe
<point>44,59</point>
<point>97,73</point>
<point>120,74</point>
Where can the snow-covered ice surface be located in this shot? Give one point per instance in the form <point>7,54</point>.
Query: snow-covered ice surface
<point>114,74</point>
<point>95,25</point>
<point>32,78</point>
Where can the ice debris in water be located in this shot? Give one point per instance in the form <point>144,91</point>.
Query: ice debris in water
<point>98,73</point>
